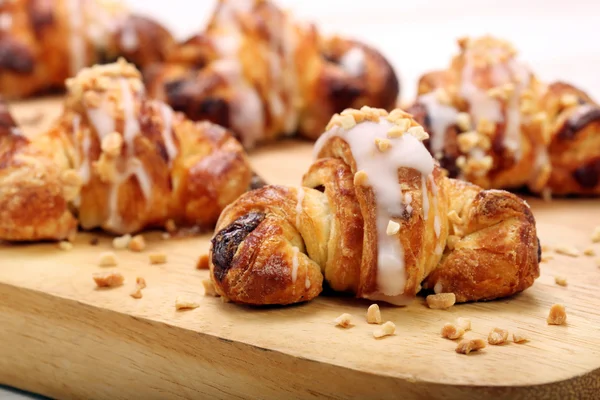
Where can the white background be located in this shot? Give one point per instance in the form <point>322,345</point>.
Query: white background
<point>560,39</point>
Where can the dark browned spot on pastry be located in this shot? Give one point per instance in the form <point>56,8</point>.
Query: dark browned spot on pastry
<point>15,56</point>
<point>320,188</point>
<point>539,252</point>
<point>41,15</point>
<point>214,109</point>
<point>226,241</point>
<point>588,175</point>
<point>583,116</point>
<point>7,123</point>
<point>256,182</point>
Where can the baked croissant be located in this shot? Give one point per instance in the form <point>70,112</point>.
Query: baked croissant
<point>115,160</point>
<point>262,74</point>
<point>43,42</point>
<point>493,123</point>
<point>376,217</point>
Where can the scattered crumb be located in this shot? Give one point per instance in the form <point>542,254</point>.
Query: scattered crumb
<point>157,258</point>
<point>596,235</point>
<point>165,236</point>
<point>547,257</point>
<point>209,288</point>
<point>94,241</point>
<point>560,280</point>
<point>546,247</point>
<point>463,323</point>
<point>373,314</point>
<point>589,252</point>
<point>121,242</point>
<point>498,336</point>
<point>137,293</point>
<point>467,346</point>
<point>386,329</point>
<point>182,303</point>
<point>225,299</point>
<point>137,243</point>
<point>140,283</point>
<point>441,300</point>
<point>108,279</point>
<point>202,262</point>
<point>520,338</point>
<point>568,250</point>
<point>65,245</point>
<point>107,259</point>
<point>170,226</point>
<point>557,315</point>
<point>344,320</point>
<point>451,331</point>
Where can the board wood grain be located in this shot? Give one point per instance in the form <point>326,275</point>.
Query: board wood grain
<point>62,337</point>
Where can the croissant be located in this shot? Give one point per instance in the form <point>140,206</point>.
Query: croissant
<point>264,75</point>
<point>493,123</point>
<point>375,217</point>
<point>115,160</point>
<point>43,42</point>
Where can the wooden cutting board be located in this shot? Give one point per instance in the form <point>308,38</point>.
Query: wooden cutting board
<point>62,337</point>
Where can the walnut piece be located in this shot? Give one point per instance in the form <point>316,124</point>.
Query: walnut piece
<point>383,145</point>
<point>467,346</point>
<point>498,336</point>
<point>560,280</point>
<point>557,315</point>
<point>65,245</point>
<point>361,178</point>
<point>463,120</point>
<point>463,323</point>
<point>107,259</point>
<point>209,288</point>
<point>202,262</point>
<point>520,338</point>
<point>373,314</point>
<point>451,331</point>
<point>140,283</point>
<point>108,279</point>
<point>157,258</point>
<point>441,301</point>
<point>386,329</point>
<point>568,250</point>
<point>182,303</point>
<point>121,242</point>
<point>392,228</point>
<point>137,243</point>
<point>344,320</point>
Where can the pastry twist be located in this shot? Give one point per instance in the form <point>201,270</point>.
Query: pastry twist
<point>262,74</point>
<point>115,160</point>
<point>376,217</point>
<point>43,42</point>
<point>493,123</point>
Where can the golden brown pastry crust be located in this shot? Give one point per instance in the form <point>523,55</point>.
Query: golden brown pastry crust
<point>118,161</point>
<point>275,245</point>
<point>264,75</point>
<point>519,132</point>
<point>44,42</point>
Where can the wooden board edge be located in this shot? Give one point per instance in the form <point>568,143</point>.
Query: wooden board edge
<point>48,346</point>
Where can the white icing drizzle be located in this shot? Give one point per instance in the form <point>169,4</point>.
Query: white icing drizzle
<point>78,57</point>
<point>353,61</point>
<point>441,117</point>
<point>382,172</point>
<point>425,198</point>
<point>103,123</point>
<point>437,223</point>
<point>295,251</point>
<point>439,249</point>
<point>131,126</point>
<point>167,131</point>
<point>5,21</point>
<point>307,281</point>
<point>299,201</point>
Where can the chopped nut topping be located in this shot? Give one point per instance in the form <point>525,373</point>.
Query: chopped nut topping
<point>454,218</point>
<point>463,120</point>
<point>209,288</point>
<point>392,228</point>
<point>182,303</point>
<point>121,242</point>
<point>65,245</point>
<point>486,127</point>
<point>347,121</point>
<point>451,331</point>
<point>202,262</point>
<point>361,178</point>
<point>461,162</point>
<point>418,132</point>
<point>107,259</point>
<point>467,346</point>
<point>344,320</point>
<point>463,323</point>
<point>589,252</point>
<point>373,314</point>
<point>157,258</point>
<point>108,279</point>
<point>520,338</point>
<point>498,336</point>
<point>442,96</point>
<point>402,124</point>
<point>111,144</point>
<point>568,250</point>
<point>560,280</point>
<point>497,93</point>
<point>137,243</point>
<point>386,329</point>
<point>71,184</point>
<point>441,300</point>
<point>383,145</point>
<point>557,315</point>
<point>467,141</point>
<point>395,132</point>
<point>170,226</point>
<point>596,235</point>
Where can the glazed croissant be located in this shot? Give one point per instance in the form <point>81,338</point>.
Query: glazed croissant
<point>262,74</point>
<point>43,42</point>
<point>493,123</point>
<point>115,160</point>
<point>376,217</point>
